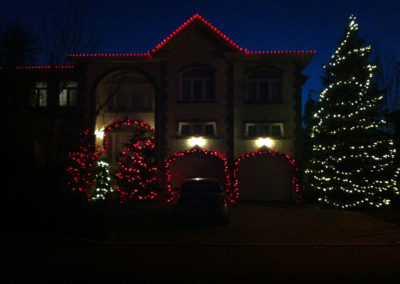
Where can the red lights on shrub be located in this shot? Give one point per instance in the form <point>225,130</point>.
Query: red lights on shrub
<point>135,172</point>
<point>294,178</point>
<point>81,163</point>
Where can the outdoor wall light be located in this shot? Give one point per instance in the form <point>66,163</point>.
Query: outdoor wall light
<point>196,141</point>
<point>264,142</point>
<point>99,133</point>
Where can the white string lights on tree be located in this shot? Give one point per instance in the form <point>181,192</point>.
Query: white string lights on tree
<point>104,181</point>
<point>352,164</point>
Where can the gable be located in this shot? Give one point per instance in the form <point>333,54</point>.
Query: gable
<point>195,39</point>
<point>194,33</point>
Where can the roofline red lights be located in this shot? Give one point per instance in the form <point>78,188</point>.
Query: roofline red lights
<point>45,67</point>
<point>199,18</point>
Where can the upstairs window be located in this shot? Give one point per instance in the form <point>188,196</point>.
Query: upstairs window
<point>133,97</point>
<point>255,129</point>
<point>68,94</point>
<point>39,95</point>
<point>197,129</point>
<point>264,86</point>
<point>197,84</point>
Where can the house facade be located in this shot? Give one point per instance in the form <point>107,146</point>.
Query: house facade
<point>196,89</point>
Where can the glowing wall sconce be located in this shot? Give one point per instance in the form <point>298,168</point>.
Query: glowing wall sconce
<point>196,141</point>
<point>99,133</point>
<point>264,142</point>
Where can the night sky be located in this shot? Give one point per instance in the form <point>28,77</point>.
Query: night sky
<point>137,26</point>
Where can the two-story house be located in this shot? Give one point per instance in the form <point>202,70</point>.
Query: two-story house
<point>196,89</point>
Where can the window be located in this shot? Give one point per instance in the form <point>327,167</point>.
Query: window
<point>264,86</point>
<point>197,128</point>
<point>255,129</point>
<point>196,85</point>
<point>68,94</point>
<point>133,97</point>
<point>39,95</point>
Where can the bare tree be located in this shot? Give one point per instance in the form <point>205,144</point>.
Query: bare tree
<point>18,45</point>
<point>69,30</point>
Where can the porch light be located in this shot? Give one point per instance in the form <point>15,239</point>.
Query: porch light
<point>196,141</point>
<point>264,142</point>
<point>99,133</point>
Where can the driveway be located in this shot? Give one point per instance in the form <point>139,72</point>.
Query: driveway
<point>262,243</point>
<point>260,224</point>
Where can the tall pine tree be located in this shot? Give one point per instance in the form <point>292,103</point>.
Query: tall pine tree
<point>352,164</point>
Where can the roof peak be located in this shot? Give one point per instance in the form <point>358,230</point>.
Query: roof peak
<point>200,19</point>
<point>195,18</point>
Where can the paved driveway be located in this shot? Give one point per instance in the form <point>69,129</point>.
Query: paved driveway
<point>261,224</point>
<point>261,244</point>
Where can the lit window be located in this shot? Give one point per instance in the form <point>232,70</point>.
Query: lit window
<point>68,94</point>
<point>197,129</point>
<point>39,95</point>
<point>197,84</point>
<point>268,129</point>
<point>264,86</point>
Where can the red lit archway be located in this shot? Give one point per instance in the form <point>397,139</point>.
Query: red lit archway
<point>172,192</point>
<point>127,123</point>
<point>294,180</point>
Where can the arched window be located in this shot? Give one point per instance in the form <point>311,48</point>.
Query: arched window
<point>197,84</point>
<point>264,86</point>
<point>68,94</point>
<point>132,93</point>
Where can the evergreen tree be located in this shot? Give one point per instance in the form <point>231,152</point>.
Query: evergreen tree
<point>82,163</point>
<point>104,181</point>
<point>136,176</point>
<point>352,158</point>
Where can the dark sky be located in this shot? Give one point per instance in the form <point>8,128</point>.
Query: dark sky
<point>137,26</point>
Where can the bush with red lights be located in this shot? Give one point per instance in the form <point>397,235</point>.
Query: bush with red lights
<point>136,174</point>
<point>81,164</point>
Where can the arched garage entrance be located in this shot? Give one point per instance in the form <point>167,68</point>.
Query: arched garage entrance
<point>192,164</point>
<point>266,176</point>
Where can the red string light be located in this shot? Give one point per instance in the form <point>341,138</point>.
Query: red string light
<point>81,164</point>
<point>125,123</point>
<point>142,189</point>
<point>199,19</point>
<point>294,179</point>
<point>172,192</point>
<point>45,67</point>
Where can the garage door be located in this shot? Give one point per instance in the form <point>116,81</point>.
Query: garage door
<point>265,178</point>
<point>196,165</point>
